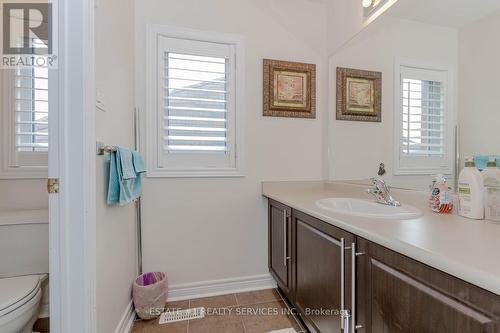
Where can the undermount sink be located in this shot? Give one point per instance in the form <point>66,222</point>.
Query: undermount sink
<point>367,208</point>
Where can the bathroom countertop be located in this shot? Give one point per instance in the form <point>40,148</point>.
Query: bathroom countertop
<point>467,249</point>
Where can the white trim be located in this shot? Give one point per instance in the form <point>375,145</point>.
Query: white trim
<point>72,160</point>
<point>220,287</point>
<point>22,172</point>
<point>127,321</point>
<point>450,120</point>
<point>90,162</point>
<point>57,280</point>
<point>150,140</point>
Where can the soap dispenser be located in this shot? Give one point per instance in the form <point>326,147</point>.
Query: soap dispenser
<point>471,191</point>
<point>440,200</point>
<point>491,179</point>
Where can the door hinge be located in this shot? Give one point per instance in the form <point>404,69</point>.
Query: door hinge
<point>53,185</point>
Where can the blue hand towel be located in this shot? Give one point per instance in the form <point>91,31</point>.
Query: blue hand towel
<point>131,183</point>
<point>139,168</point>
<point>139,165</point>
<point>126,163</point>
<point>114,181</point>
<point>125,183</point>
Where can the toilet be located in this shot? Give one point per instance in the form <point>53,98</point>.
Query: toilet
<point>24,265</point>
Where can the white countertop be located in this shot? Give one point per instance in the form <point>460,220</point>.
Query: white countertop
<point>467,249</point>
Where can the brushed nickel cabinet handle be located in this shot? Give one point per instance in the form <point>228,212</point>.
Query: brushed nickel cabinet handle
<point>347,321</point>
<point>342,284</point>
<point>353,318</point>
<point>285,238</point>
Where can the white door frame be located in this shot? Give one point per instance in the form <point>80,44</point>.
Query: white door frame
<point>72,160</point>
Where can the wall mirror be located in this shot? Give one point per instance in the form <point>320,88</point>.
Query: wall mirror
<point>440,68</point>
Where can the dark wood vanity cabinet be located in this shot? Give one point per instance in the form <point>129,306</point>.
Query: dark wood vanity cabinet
<point>380,290</point>
<point>321,272</point>
<point>399,294</point>
<point>279,234</point>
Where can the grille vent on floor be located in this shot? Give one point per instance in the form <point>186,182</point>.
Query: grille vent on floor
<point>172,316</point>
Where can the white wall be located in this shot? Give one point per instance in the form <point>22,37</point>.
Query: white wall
<point>357,148</point>
<point>479,99</point>
<point>23,194</point>
<point>116,233</point>
<point>345,19</point>
<point>208,229</point>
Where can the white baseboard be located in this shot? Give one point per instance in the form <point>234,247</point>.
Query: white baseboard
<point>203,289</point>
<point>185,291</point>
<point>125,325</point>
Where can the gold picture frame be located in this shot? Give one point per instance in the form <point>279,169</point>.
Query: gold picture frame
<point>359,95</point>
<point>289,89</point>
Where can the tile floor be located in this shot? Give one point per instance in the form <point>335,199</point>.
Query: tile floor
<point>249,312</point>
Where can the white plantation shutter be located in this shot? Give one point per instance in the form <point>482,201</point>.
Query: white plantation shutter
<point>27,99</point>
<point>24,96</point>
<point>31,109</point>
<point>423,118</point>
<point>424,128</point>
<point>196,105</point>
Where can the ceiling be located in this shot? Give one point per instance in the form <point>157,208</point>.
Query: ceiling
<point>449,13</point>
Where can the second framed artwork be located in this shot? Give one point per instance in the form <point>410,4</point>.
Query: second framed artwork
<point>289,89</point>
<point>359,95</point>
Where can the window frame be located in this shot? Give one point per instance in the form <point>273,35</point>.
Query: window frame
<point>152,147</point>
<point>10,168</point>
<point>416,165</point>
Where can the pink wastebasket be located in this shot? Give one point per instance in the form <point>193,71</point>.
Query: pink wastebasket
<point>150,294</point>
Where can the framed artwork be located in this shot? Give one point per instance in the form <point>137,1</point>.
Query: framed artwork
<point>289,89</point>
<point>359,95</point>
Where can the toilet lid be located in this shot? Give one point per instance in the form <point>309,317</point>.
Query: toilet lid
<point>15,289</point>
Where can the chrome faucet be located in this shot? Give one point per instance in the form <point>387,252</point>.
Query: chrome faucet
<point>381,192</point>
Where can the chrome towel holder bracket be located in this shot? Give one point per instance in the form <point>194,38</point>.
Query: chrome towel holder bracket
<point>102,149</point>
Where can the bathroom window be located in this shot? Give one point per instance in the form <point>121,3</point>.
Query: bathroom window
<point>424,120</point>
<point>32,110</point>
<point>196,103</point>
<point>25,108</point>
<point>198,110</point>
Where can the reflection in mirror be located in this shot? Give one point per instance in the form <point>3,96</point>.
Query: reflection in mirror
<point>440,100</point>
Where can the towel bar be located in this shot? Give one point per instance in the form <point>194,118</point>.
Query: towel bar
<point>102,148</point>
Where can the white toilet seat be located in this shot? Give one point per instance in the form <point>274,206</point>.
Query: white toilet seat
<point>19,303</point>
<point>17,291</point>
<point>21,320</point>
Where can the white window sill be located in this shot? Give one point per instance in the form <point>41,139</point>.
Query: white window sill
<point>422,172</point>
<point>218,173</point>
<point>24,173</point>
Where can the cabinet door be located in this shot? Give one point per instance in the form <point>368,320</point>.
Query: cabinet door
<point>279,244</point>
<point>321,269</point>
<point>402,295</point>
